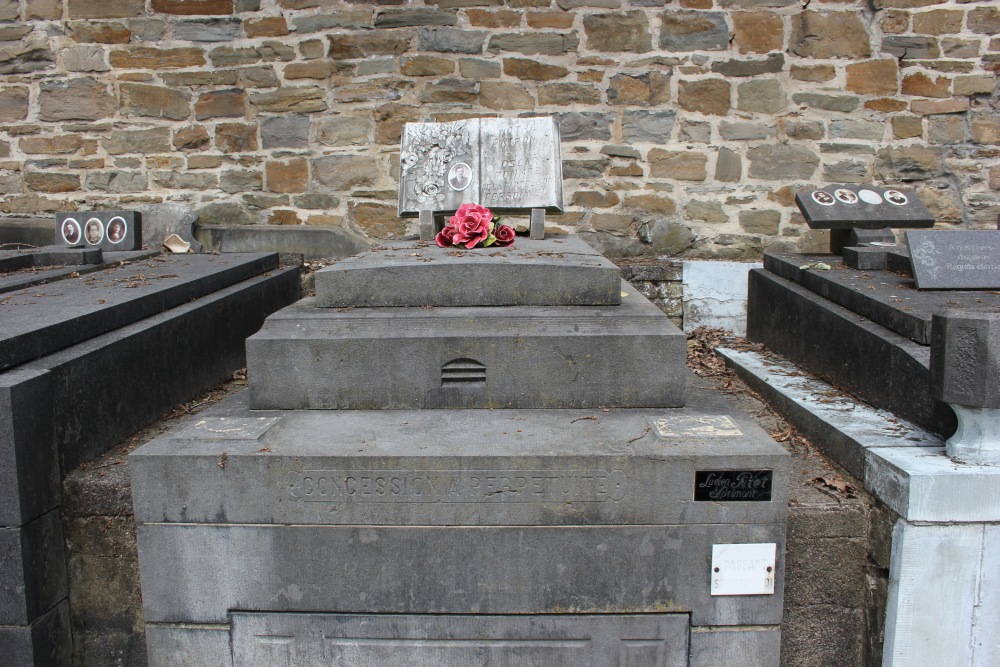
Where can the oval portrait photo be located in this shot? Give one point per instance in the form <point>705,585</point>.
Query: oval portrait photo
<point>70,231</point>
<point>116,229</point>
<point>94,231</point>
<point>822,198</point>
<point>895,197</point>
<point>460,176</point>
<point>846,196</point>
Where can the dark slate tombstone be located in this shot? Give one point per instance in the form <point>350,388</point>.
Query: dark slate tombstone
<point>955,259</point>
<point>504,164</point>
<point>107,230</point>
<point>843,208</point>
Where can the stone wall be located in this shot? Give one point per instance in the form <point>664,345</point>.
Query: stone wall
<point>686,128</point>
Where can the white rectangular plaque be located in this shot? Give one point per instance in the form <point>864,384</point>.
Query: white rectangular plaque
<point>743,569</point>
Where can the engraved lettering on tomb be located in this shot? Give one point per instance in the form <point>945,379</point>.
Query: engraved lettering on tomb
<point>456,486</point>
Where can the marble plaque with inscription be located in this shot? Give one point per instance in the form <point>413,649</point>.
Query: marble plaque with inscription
<point>955,259</point>
<point>502,163</point>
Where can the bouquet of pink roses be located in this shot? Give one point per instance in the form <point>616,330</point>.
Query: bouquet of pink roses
<point>472,226</point>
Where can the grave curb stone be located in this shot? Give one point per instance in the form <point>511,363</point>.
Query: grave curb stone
<point>413,274</point>
<point>47,641</point>
<point>537,357</point>
<point>32,569</point>
<point>888,370</point>
<point>29,334</point>
<point>29,464</point>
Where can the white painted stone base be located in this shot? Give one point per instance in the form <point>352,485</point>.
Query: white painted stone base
<point>715,295</point>
<point>977,440</point>
<point>944,606</point>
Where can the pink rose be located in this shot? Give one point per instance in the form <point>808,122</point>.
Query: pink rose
<point>472,224</point>
<point>504,236</point>
<point>445,238</point>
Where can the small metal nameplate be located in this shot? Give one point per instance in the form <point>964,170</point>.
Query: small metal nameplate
<point>729,485</point>
<point>456,486</point>
<point>705,426</point>
<point>743,569</point>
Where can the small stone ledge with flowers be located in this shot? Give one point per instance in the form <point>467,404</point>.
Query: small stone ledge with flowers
<point>473,261</point>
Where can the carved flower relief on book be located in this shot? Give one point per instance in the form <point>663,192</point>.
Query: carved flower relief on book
<point>435,164</point>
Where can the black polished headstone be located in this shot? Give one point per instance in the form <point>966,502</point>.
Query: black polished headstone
<point>955,259</point>
<point>862,207</point>
<point>108,230</point>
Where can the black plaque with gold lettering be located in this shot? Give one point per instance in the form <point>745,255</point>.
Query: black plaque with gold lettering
<point>729,485</point>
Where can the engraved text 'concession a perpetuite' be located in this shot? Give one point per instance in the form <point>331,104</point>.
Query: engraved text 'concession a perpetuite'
<point>456,486</point>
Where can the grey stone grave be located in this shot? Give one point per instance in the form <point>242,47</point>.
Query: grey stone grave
<point>476,481</point>
<point>94,345</point>
<point>108,230</point>
<point>955,259</point>
<point>500,163</point>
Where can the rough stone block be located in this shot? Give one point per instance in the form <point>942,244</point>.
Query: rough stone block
<point>32,570</point>
<point>540,357</point>
<point>965,358</point>
<point>550,272</point>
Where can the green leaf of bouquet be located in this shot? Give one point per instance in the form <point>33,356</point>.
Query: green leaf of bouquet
<point>490,240</point>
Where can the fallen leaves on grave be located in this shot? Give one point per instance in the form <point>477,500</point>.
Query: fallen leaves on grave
<point>701,356</point>
<point>834,485</point>
<point>223,459</point>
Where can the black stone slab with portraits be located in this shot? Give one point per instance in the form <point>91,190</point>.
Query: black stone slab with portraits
<point>862,207</point>
<point>955,259</point>
<point>107,230</point>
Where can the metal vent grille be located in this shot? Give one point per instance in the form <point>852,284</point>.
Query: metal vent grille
<point>463,372</point>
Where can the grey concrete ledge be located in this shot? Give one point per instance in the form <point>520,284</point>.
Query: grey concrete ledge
<point>310,242</point>
<point>902,465</point>
<point>550,272</point>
